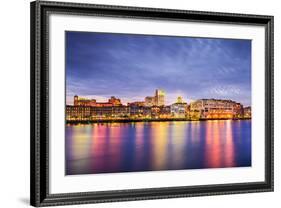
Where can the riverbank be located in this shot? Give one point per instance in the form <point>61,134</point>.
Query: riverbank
<point>144,120</point>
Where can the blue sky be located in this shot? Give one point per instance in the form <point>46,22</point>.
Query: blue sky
<point>130,67</point>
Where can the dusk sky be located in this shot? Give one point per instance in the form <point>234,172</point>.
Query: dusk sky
<point>131,67</point>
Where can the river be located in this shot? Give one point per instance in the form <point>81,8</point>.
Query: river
<point>151,146</point>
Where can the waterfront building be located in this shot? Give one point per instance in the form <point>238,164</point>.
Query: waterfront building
<point>139,111</point>
<point>80,101</point>
<point>149,101</point>
<point>165,112</point>
<point>215,109</point>
<point>247,112</point>
<point>153,108</point>
<point>155,112</point>
<point>179,109</point>
<point>81,113</point>
<point>78,113</point>
<point>137,103</point>
<point>238,110</point>
<point>110,112</point>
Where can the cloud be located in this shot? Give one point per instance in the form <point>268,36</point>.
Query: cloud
<point>133,66</point>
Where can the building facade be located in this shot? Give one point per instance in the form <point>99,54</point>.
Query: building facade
<point>137,103</point>
<point>78,113</point>
<point>149,101</point>
<point>247,112</point>
<point>215,109</point>
<point>157,100</point>
<point>80,101</point>
<point>179,109</point>
<point>81,113</point>
<point>154,108</point>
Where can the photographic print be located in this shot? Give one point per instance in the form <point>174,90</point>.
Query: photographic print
<point>148,103</point>
<point>135,103</point>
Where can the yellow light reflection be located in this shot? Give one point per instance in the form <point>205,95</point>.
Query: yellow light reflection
<point>80,147</point>
<point>178,137</point>
<point>159,135</point>
<point>139,142</point>
<point>229,146</point>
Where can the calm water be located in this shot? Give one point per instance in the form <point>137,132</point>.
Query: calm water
<point>143,146</point>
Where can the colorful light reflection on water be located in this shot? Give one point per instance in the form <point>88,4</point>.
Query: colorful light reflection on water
<point>150,146</point>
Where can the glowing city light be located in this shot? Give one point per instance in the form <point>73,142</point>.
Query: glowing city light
<point>154,108</point>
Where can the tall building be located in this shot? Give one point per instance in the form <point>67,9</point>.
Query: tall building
<point>157,100</point>
<point>159,97</point>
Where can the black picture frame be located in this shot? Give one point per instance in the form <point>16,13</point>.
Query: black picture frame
<point>39,156</point>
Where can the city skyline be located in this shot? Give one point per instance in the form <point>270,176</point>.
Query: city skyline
<point>183,100</point>
<point>101,65</point>
<point>153,108</point>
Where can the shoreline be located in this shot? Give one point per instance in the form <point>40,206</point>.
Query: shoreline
<point>147,120</point>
